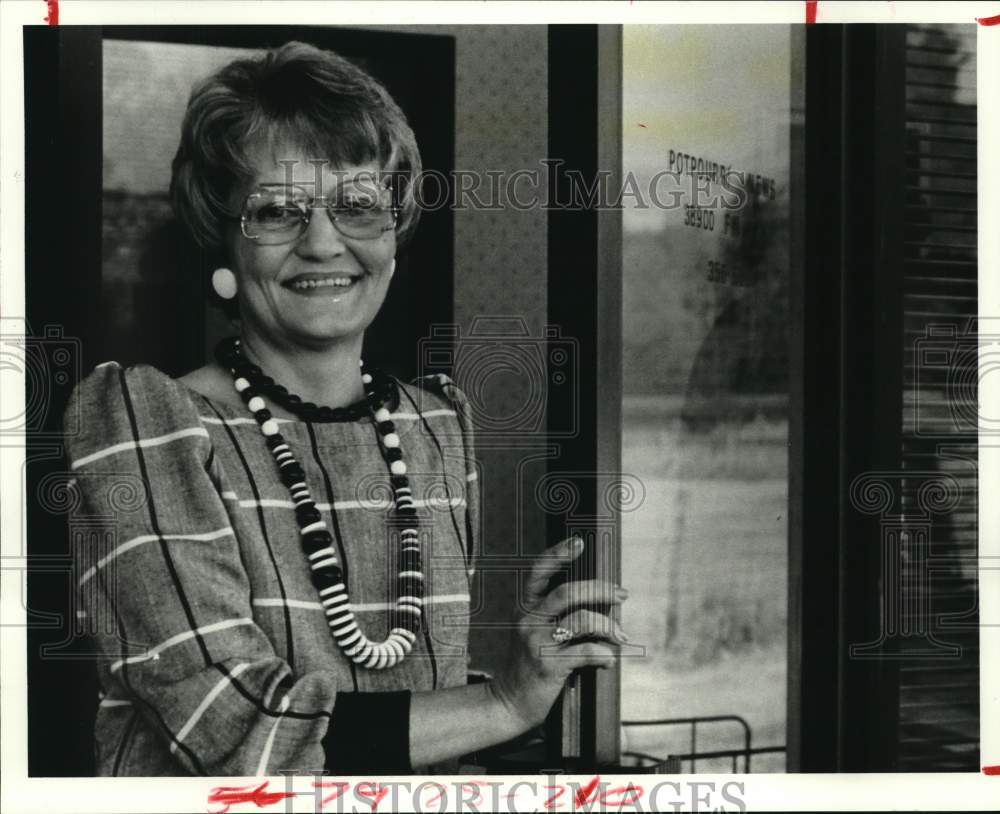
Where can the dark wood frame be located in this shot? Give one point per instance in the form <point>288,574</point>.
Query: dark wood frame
<point>585,302</point>
<point>426,60</point>
<point>846,398</point>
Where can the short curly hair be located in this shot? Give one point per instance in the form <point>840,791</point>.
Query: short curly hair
<point>296,94</point>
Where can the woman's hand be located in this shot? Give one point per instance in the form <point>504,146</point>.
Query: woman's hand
<point>537,667</point>
<point>459,720</point>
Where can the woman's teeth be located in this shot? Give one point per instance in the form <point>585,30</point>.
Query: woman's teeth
<point>338,282</point>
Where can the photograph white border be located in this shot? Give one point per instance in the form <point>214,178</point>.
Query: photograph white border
<point>779,792</point>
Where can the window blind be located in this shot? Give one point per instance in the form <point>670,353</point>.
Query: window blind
<point>937,591</point>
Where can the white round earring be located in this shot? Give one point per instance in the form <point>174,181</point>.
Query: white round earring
<point>224,283</point>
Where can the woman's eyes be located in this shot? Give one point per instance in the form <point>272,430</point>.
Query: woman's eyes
<point>278,212</point>
<point>285,211</point>
<point>358,200</point>
<point>359,207</point>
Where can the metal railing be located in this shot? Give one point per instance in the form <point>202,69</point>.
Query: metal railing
<point>672,763</point>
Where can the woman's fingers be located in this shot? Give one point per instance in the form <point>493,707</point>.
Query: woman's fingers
<point>553,561</point>
<point>590,624</point>
<point>589,654</point>
<point>570,595</point>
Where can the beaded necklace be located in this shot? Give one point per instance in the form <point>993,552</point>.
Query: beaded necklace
<point>317,542</point>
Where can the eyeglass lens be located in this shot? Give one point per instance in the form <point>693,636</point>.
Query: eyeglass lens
<point>277,214</point>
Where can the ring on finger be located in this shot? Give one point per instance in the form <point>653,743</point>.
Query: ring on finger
<point>561,635</point>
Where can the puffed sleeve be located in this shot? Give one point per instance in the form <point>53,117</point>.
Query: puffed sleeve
<point>180,644</point>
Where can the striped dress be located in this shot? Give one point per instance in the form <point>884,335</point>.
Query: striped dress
<point>214,656</point>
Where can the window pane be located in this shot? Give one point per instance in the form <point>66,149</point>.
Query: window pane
<point>710,114</point>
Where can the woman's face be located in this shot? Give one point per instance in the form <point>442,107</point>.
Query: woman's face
<point>287,293</point>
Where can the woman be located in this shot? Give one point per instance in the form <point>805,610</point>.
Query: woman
<point>292,592</point>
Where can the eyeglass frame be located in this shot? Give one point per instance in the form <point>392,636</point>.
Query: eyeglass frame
<point>305,217</point>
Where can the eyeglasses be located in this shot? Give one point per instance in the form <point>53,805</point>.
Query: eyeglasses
<point>277,213</point>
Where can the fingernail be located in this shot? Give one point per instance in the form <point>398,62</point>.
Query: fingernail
<point>577,543</point>
<point>621,593</point>
<point>621,635</point>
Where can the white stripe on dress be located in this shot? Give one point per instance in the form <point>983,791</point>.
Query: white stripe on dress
<point>278,602</point>
<point>148,538</point>
<point>154,652</point>
<point>455,501</point>
<point>415,416</point>
<point>200,432</point>
<point>205,704</point>
<point>235,422</point>
<point>339,505</point>
<point>288,603</point>
<point>266,755</point>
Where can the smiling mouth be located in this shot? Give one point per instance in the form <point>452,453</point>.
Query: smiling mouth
<point>340,283</point>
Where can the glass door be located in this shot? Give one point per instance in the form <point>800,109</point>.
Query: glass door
<point>712,117</point>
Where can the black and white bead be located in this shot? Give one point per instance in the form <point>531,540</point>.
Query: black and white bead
<point>317,542</point>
